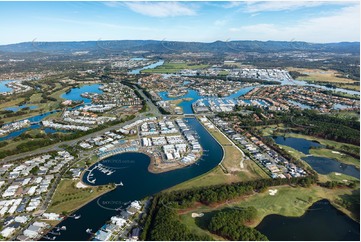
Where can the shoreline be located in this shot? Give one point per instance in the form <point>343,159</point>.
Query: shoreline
<point>322,141</point>
<point>78,207</point>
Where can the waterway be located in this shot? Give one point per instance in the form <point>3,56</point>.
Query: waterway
<point>132,170</point>
<point>321,222</point>
<point>137,71</point>
<point>36,119</point>
<point>3,87</point>
<point>321,165</point>
<point>304,83</point>
<point>194,95</point>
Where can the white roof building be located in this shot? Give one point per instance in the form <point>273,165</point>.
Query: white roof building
<point>7,232</point>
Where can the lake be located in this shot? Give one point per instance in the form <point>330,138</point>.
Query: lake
<point>325,166</point>
<point>321,222</point>
<point>321,165</point>
<point>75,93</point>
<point>302,145</point>
<point>3,87</point>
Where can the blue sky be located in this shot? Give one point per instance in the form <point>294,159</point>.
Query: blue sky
<point>184,21</point>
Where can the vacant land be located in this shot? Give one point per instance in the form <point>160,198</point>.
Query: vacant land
<point>169,68</point>
<point>326,76</point>
<point>68,198</point>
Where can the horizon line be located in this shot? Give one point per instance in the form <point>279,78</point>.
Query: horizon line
<point>180,41</point>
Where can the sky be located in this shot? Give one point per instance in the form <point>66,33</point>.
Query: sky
<point>311,21</point>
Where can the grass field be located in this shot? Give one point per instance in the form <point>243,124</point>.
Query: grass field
<point>223,73</point>
<point>269,130</point>
<point>323,76</point>
<point>325,142</point>
<point>68,198</point>
<point>11,103</point>
<point>347,114</point>
<point>173,68</point>
<point>338,177</point>
<point>12,144</point>
<point>194,228</point>
<point>344,158</point>
<point>288,201</point>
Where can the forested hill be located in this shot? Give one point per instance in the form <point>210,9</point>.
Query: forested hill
<point>171,46</point>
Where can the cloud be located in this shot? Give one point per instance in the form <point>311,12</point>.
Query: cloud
<point>343,25</point>
<point>161,9</point>
<point>254,7</point>
<point>232,4</point>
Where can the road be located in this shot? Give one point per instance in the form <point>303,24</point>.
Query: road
<point>153,109</point>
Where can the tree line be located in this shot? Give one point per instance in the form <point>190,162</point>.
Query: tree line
<point>162,222</point>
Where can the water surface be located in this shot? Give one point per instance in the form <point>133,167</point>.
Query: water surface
<point>321,222</point>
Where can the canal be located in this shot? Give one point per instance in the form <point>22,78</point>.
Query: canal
<point>194,96</point>
<point>132,170</point>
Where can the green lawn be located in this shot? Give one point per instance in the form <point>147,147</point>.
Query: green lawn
<point>223,73</point>
<point>322,141</point>
<point>194,228</point>
<point>344,158</point>
<point>68,198</point>
<point>173,68</point>
<point>333,176</point>
<point>288,201</point>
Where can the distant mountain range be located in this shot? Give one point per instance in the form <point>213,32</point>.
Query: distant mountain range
<point>174,46</point>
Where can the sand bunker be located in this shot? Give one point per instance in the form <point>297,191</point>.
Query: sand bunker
<point>80,185</point>
<point>272,192</point>
<point>197,215</point>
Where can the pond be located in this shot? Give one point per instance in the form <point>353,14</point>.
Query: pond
<point>325,166</point>
<point>321,222</point>
<point>3,87</point>
<point>321,165</point>
<point>302,145</point>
